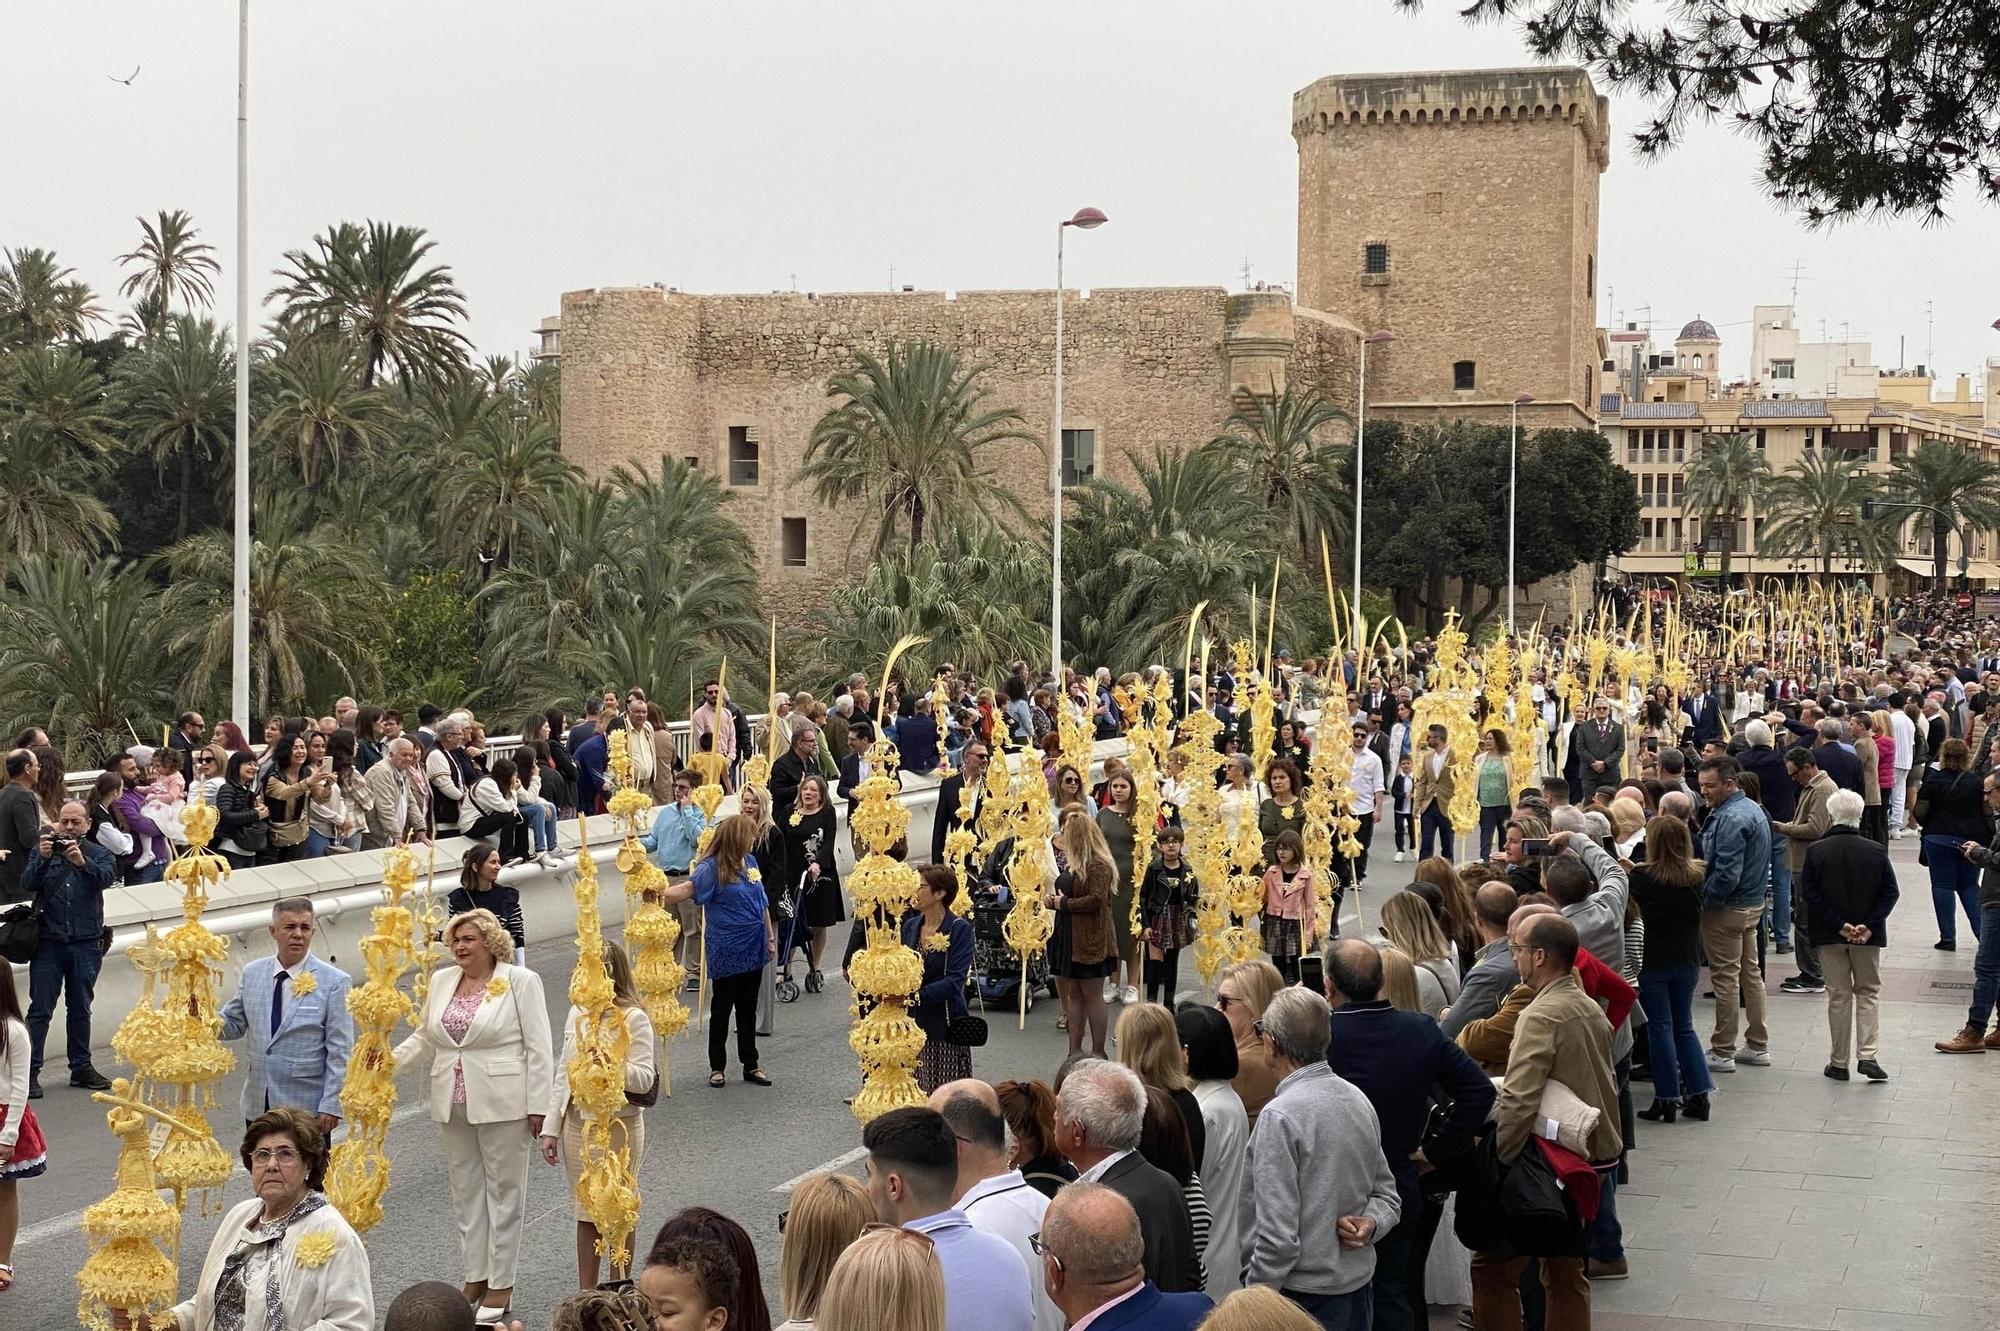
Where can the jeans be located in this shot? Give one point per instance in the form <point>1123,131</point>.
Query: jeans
<point>1985,970</point>
<point>1780,917</point>
<point>512,833</point>
<point>1436,827</point>
<point>1954,882</point>
<point>1492,819</point>
<point>1400,1257</point>
<point>1680,1064</point>
<point>541,826</point>
<point>152,873</point>
<point>317,844</point>
<point>1352,1311</point>
<point>68,971</point>
<point>1604,1237</point>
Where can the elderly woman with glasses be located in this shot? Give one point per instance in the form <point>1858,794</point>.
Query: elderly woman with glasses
<point>286,1257</point>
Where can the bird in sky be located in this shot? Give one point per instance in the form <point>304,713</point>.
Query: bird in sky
<point>127,80</point>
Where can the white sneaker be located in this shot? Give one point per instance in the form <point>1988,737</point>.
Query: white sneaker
<point>1131,994</point>
<point>1399,857</point>
<point>1717,1063</point>
<point>1755,1058</point>
<point>548,860</point>
<point>1111,991</point>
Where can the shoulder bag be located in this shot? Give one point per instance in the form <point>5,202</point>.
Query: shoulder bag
<point>20,932</point>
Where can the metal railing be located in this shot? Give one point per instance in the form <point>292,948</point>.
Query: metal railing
<point>78,784</point>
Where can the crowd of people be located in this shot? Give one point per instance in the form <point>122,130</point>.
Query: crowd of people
<point>1341,1133</point>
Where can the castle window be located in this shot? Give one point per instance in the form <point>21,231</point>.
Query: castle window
<point>1079,456</point>
<point>1590,275</point>
<point>1462,375</point>
<point>693,462</point>
<point>795,542</point>
<point>1375,258</point>
<point>743,455</point>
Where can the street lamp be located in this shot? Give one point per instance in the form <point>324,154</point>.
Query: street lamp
<point>1513,434</point>
<point>1086,219</point>
<point>1360,430</point>
<point>239,595</point>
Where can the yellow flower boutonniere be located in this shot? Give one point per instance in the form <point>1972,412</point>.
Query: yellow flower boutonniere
<point>938,942</point>
<point>314,1250</point>
<point>304,983</point>
<point>1288,812</point>
<point>495,987</point>
<point>756,875</point>
<point>794,820</point>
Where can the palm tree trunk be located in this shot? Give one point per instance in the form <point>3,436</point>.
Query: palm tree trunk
<point>187,486</point>
<point>1940,538</point>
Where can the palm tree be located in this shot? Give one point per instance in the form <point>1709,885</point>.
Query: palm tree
<point>314,603</point>
<point>178,398</point>
<point>1723,479</point>
<point>46,506</point>
<point>170,265</point>
<point>540,387</point>
<point>1278,438</point>
<point>317,412</point>
<point>906,438</point>
<point>41,301</point>
<point>498,483</point>
<point>56,394</point>
<point>80,655</point>
<point>564,574</point>
<point>1138,558</point>
<point>1814,508</point>
<point>368,285</point>
<point>1961,487</point>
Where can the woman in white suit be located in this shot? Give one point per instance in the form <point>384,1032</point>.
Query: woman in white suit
<point>562,1137</point>
<point>492,1064</point>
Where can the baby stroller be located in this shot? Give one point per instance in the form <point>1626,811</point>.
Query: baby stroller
<point>996,971</point>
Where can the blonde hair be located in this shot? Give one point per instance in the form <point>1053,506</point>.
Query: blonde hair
<point>624,991</point>
<point>1258,1308</point>
<point>887,1280</point>
<point>1082,842</point>
<point>762,822</point>
<point>1408,923</point>
<point>729,845</point>
<point>1627,816</point>
<point>1258,980</point>
<point>1149,1043</point>
<point>1399,981</point>
<point>493,933</point>
<point>827,1213</point>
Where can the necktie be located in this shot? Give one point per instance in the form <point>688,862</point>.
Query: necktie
<point>278,1001</point>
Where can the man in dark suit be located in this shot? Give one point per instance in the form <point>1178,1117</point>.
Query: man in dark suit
<point>1403,1062</point>
<point>189,734</point>
<point>1599,745</point>
<point>853,767</point>
<point>1092,1266</point>
<point>1100,1112</point>
<point>1704,715</point>
<point>951,793</point>
<point>791,769</point>
<point>1835,757</point>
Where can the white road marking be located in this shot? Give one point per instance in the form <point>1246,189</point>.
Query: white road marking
<point>55,1226</point>
<point>841,1161</point>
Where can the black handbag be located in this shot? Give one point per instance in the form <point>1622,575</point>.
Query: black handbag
<point>969,1031</point>
<point>20,932</point>
<point>647,1098</point>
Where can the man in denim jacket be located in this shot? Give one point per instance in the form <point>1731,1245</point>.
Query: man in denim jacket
<point>1736,849</point>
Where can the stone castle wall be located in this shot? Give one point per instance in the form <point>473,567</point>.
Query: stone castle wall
<point>648,371</point>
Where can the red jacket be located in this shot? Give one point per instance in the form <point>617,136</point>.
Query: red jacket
<point>1605,985</point>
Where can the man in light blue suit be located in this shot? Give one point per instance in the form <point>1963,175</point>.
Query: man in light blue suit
<point>298,1041</point>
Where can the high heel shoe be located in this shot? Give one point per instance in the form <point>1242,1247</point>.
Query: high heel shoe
<point>1662,1111</point>
<point>1695,1107</point>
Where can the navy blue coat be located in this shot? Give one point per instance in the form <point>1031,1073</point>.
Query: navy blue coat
<point>1152,1310</point>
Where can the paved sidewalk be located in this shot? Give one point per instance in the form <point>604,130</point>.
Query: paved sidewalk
<point>1807,1202</point>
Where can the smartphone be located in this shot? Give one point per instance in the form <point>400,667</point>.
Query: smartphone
<point>1610,845</point>
<point>1535,845</point>
<point>1312,972</point>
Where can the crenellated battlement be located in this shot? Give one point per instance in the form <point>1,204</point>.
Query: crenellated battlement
<point>1456,97</point>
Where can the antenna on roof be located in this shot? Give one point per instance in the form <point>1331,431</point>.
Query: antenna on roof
<point>1798,270</point>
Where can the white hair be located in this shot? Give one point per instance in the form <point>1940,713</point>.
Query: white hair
<point>1568,818</point>
<point>1107,1100</point>
<point>1599,825</point>
<point>1845,807</point>
<point>1757,733</point>
<point>1299,1023</point>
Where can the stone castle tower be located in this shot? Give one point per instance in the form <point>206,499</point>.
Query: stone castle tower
<point>1458,211</point>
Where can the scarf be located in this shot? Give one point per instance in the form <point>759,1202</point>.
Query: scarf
<point>231,1292</point>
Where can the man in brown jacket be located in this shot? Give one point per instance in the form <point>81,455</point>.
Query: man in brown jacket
<point>1810,822</point>
<point>1431,792</point>
<point>1563,1036</point>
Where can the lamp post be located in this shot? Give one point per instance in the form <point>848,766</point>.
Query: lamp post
<point>239,597</point>
<point>1360,430</point>
<point>1086,219</point>
<point>1513,436</point>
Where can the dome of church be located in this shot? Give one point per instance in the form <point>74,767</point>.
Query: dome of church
<point>1698,330</point>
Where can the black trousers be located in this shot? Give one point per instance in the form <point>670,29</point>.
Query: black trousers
<point>1400,1257</point>
<point>735,994</point>
<point>513,830</point>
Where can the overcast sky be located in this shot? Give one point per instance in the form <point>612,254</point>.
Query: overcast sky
<point>747,147</point>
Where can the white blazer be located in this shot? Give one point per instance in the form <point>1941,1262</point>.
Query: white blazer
<point>640,1065</point>
<point>507,1054</point>
<point>333,1296</point>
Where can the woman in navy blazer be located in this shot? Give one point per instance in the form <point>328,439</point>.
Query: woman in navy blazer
<point>944,941</point>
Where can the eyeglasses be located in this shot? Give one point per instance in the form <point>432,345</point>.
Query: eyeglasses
<point>782,1217</point>
<point>1222,1001</point>
<point>1257,1028</point>
<point>1041,1249</point>
<point>277,1155</point>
